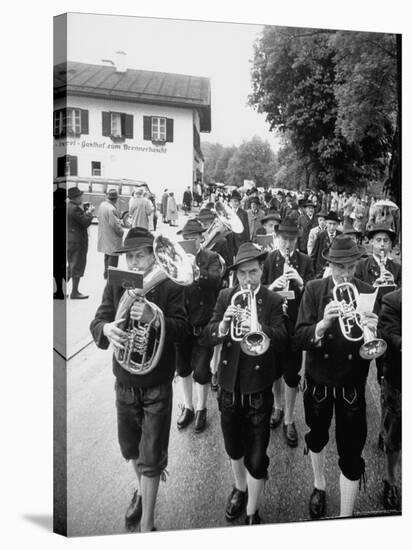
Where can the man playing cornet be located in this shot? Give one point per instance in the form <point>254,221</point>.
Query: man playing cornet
<point>335,373</point>
<point>245,376</point>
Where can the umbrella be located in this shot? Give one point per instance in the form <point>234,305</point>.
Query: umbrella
<point>386,202</point>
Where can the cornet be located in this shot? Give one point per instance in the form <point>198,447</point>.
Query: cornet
<point>255,342</point>
<point>385,277</point>
<point>347,295</point>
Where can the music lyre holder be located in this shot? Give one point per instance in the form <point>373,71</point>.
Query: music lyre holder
<point>125,278</point>
<point>286,294</point>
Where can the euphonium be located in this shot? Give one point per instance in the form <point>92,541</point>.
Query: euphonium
<point>347,295</point>
<point>144,343</point>
<point>255,342</point>
<point>385,277</point>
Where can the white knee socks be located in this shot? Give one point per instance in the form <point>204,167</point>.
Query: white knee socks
<point>348,491</point>
<point>318,466</point>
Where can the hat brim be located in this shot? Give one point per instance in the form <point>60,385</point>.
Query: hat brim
<point>361,251</point>
<point>134,244</point>
<point>260,256</point>
<point>273,217</point>
<point>188,233</point>
<point>390,232</point>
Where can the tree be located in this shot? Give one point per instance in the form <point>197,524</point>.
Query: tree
<point>216,161</point>
<point>253,160</point>
<point>307,82</point>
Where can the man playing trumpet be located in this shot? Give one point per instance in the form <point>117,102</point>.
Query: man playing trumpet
<point>143,401</point>
<point>335,375</point>
<point>245,381</point>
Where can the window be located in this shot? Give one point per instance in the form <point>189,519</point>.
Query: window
<point>66,166</point>
<point>118,126</point>
<point>96,168</point>
<point>158,129</point>
<point>70,122</point>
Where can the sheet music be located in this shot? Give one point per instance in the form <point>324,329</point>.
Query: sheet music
<point>366,302</point>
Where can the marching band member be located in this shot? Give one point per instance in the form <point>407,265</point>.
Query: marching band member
<point>316,230</point>
<point>238,239</point>
<point>245,382</point>
<point>369,270</point>
<point>255,215</point>
<point>307,221</point>
<point>324,240</point>
<point>195,353</point>
<point>335,377</point>
<point>144,401</point>
<point>297,274</point>
<point>269,223</point>
<point>390,325</point>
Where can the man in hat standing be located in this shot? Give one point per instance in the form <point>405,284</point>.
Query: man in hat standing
<point>163,205</point>
<point>268,226</point>
<point>245,382</point>
<point>194,354</point>
<point>335,376</point>
<point>187,200</point>
<point>369,269</point>
<point>223,243</point>
<point>78,220</point>
<point>110,231</point>
<point>306,222</point>
<point>239,238</point>
<point>324,241</point>
<point>140,209</point>
<point>313,233</point>
<point>254,214</point>
<point>287,267</point>
<point>144,401</point>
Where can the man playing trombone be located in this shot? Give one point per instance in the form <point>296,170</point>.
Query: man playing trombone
<point>336,373</point>
<point>248,321</point>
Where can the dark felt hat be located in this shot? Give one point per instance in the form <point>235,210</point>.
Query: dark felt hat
<point>321,214</point>
<point>343,250</point>
<point>74,192</point>
<point>206,215</point>
<point>309,203</point>
<point>255,200</point>
<point>288,227</point>
<point>272,214</point>
<point>381,228</point>
<point>192,227</point>
<point>137,237</point>
<point>236,195</point>
<point>332,216</point>
<point>247,252</point>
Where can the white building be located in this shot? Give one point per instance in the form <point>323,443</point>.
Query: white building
<point>116,123</point>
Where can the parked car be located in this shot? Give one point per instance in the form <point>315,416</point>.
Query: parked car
<point>95,189</point>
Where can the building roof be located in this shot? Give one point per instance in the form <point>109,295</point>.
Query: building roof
<point>178,90</point>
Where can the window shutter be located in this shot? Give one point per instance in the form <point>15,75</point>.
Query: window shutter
<point>55,118</point>
<point>122,124</point>
<point>129,127</point>
<point>169,129</point>
<point>61,166</point>
<point>73,166</point>
<point>147,127</point>
<point>84,116</point>
<point>106,130</point>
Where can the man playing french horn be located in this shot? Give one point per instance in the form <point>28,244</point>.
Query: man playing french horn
<point>336,370</point>
<point>143,400</point>
<point>248,321</point>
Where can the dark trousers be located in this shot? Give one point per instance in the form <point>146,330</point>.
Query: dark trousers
<point>110,260</point>
<point>350,419</point>
<point>192,356</point>
<point>77,256</point>
<point>245,422</point>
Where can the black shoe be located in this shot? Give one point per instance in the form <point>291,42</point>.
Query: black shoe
<point>200,420</point>
<point>236,504</point>
<point>317,504</point>
<point>213,383</point>
<point>134,512</point>
<point>253,520</point>
<point>58,296</point>
<point>78,296</point>
<point>291,434</point>
<point>276,418</point>
<point>185,418</point>
<point>391,500</point>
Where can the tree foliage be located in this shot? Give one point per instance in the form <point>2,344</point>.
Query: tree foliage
<point>333,94</point>
<point>253,160</point>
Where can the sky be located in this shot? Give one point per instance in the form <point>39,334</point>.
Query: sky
<point>220,51</point>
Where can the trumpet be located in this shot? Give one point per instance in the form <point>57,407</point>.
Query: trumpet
<point>347,295</point>
<point>255,342</point>
<point>385,277</point>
